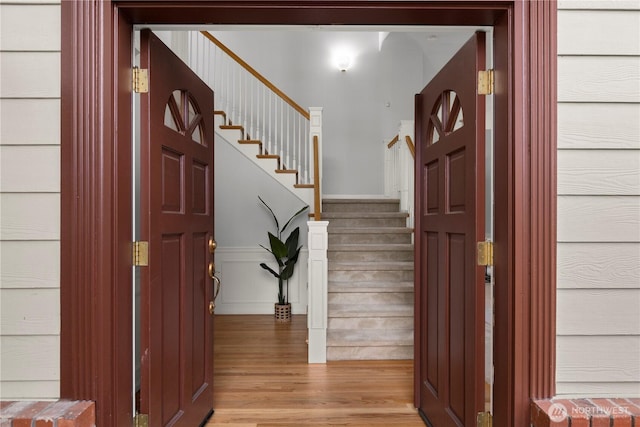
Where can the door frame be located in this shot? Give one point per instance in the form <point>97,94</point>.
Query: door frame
<point>96,200</point>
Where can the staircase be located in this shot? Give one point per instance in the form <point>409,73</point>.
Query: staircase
<point>255,150</point>
<point>370,301</point>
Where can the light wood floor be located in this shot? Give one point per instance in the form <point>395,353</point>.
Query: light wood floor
<point>262,379</point>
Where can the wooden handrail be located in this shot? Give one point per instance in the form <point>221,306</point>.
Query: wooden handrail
<point>412,147</point>
<point>257,75</point>
<point>316,180</point>
<point>393,141</point>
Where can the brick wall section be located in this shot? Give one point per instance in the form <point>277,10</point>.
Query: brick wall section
<point>63,413</point>
<point>590,412</point>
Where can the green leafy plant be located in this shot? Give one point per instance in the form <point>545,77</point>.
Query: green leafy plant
<point>285,253</point>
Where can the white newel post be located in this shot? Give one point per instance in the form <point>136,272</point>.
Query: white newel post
<point>318,242</point>
<point>406,170</point>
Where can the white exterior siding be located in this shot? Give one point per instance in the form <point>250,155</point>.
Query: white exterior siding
<point>598,310</point>
<point>30,200</point>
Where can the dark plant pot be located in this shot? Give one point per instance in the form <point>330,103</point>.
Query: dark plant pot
<point>283,312</point>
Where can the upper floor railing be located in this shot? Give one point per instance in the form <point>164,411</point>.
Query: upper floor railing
<point>399,168</point>
<point>250,100</point>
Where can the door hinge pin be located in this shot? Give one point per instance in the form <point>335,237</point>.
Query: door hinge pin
<point>484,419</point>
<point>485,253</point>
<point>140,252</point>
<point>140,80</point>
<point>486,83</point>
<point>141,420</point>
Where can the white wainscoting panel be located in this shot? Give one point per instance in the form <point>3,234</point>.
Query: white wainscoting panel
<point>249,289</point>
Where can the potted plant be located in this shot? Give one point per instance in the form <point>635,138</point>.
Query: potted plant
<point>286,255</point>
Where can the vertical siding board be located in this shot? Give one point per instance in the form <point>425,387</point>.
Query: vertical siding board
<point>598,208</point>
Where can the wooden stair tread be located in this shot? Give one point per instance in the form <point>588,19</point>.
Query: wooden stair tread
<point>249,141</point>
<point>286,171</point>
<point>268,156</point>
<point>303,185</point>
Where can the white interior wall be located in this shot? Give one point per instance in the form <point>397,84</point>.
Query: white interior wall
<point>362,106</point>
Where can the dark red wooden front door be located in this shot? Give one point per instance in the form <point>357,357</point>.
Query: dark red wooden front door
<point>177,220</point>
<point>450,133</point>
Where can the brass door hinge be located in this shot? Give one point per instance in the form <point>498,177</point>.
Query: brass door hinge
<point>484,419</point>
<point>140,252</point>
<point>141,420</point>
<point>485,82</point>
<point>485,253</point>
<point>140,80</point>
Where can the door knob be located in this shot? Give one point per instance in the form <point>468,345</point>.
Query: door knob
<point>212,245</point>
